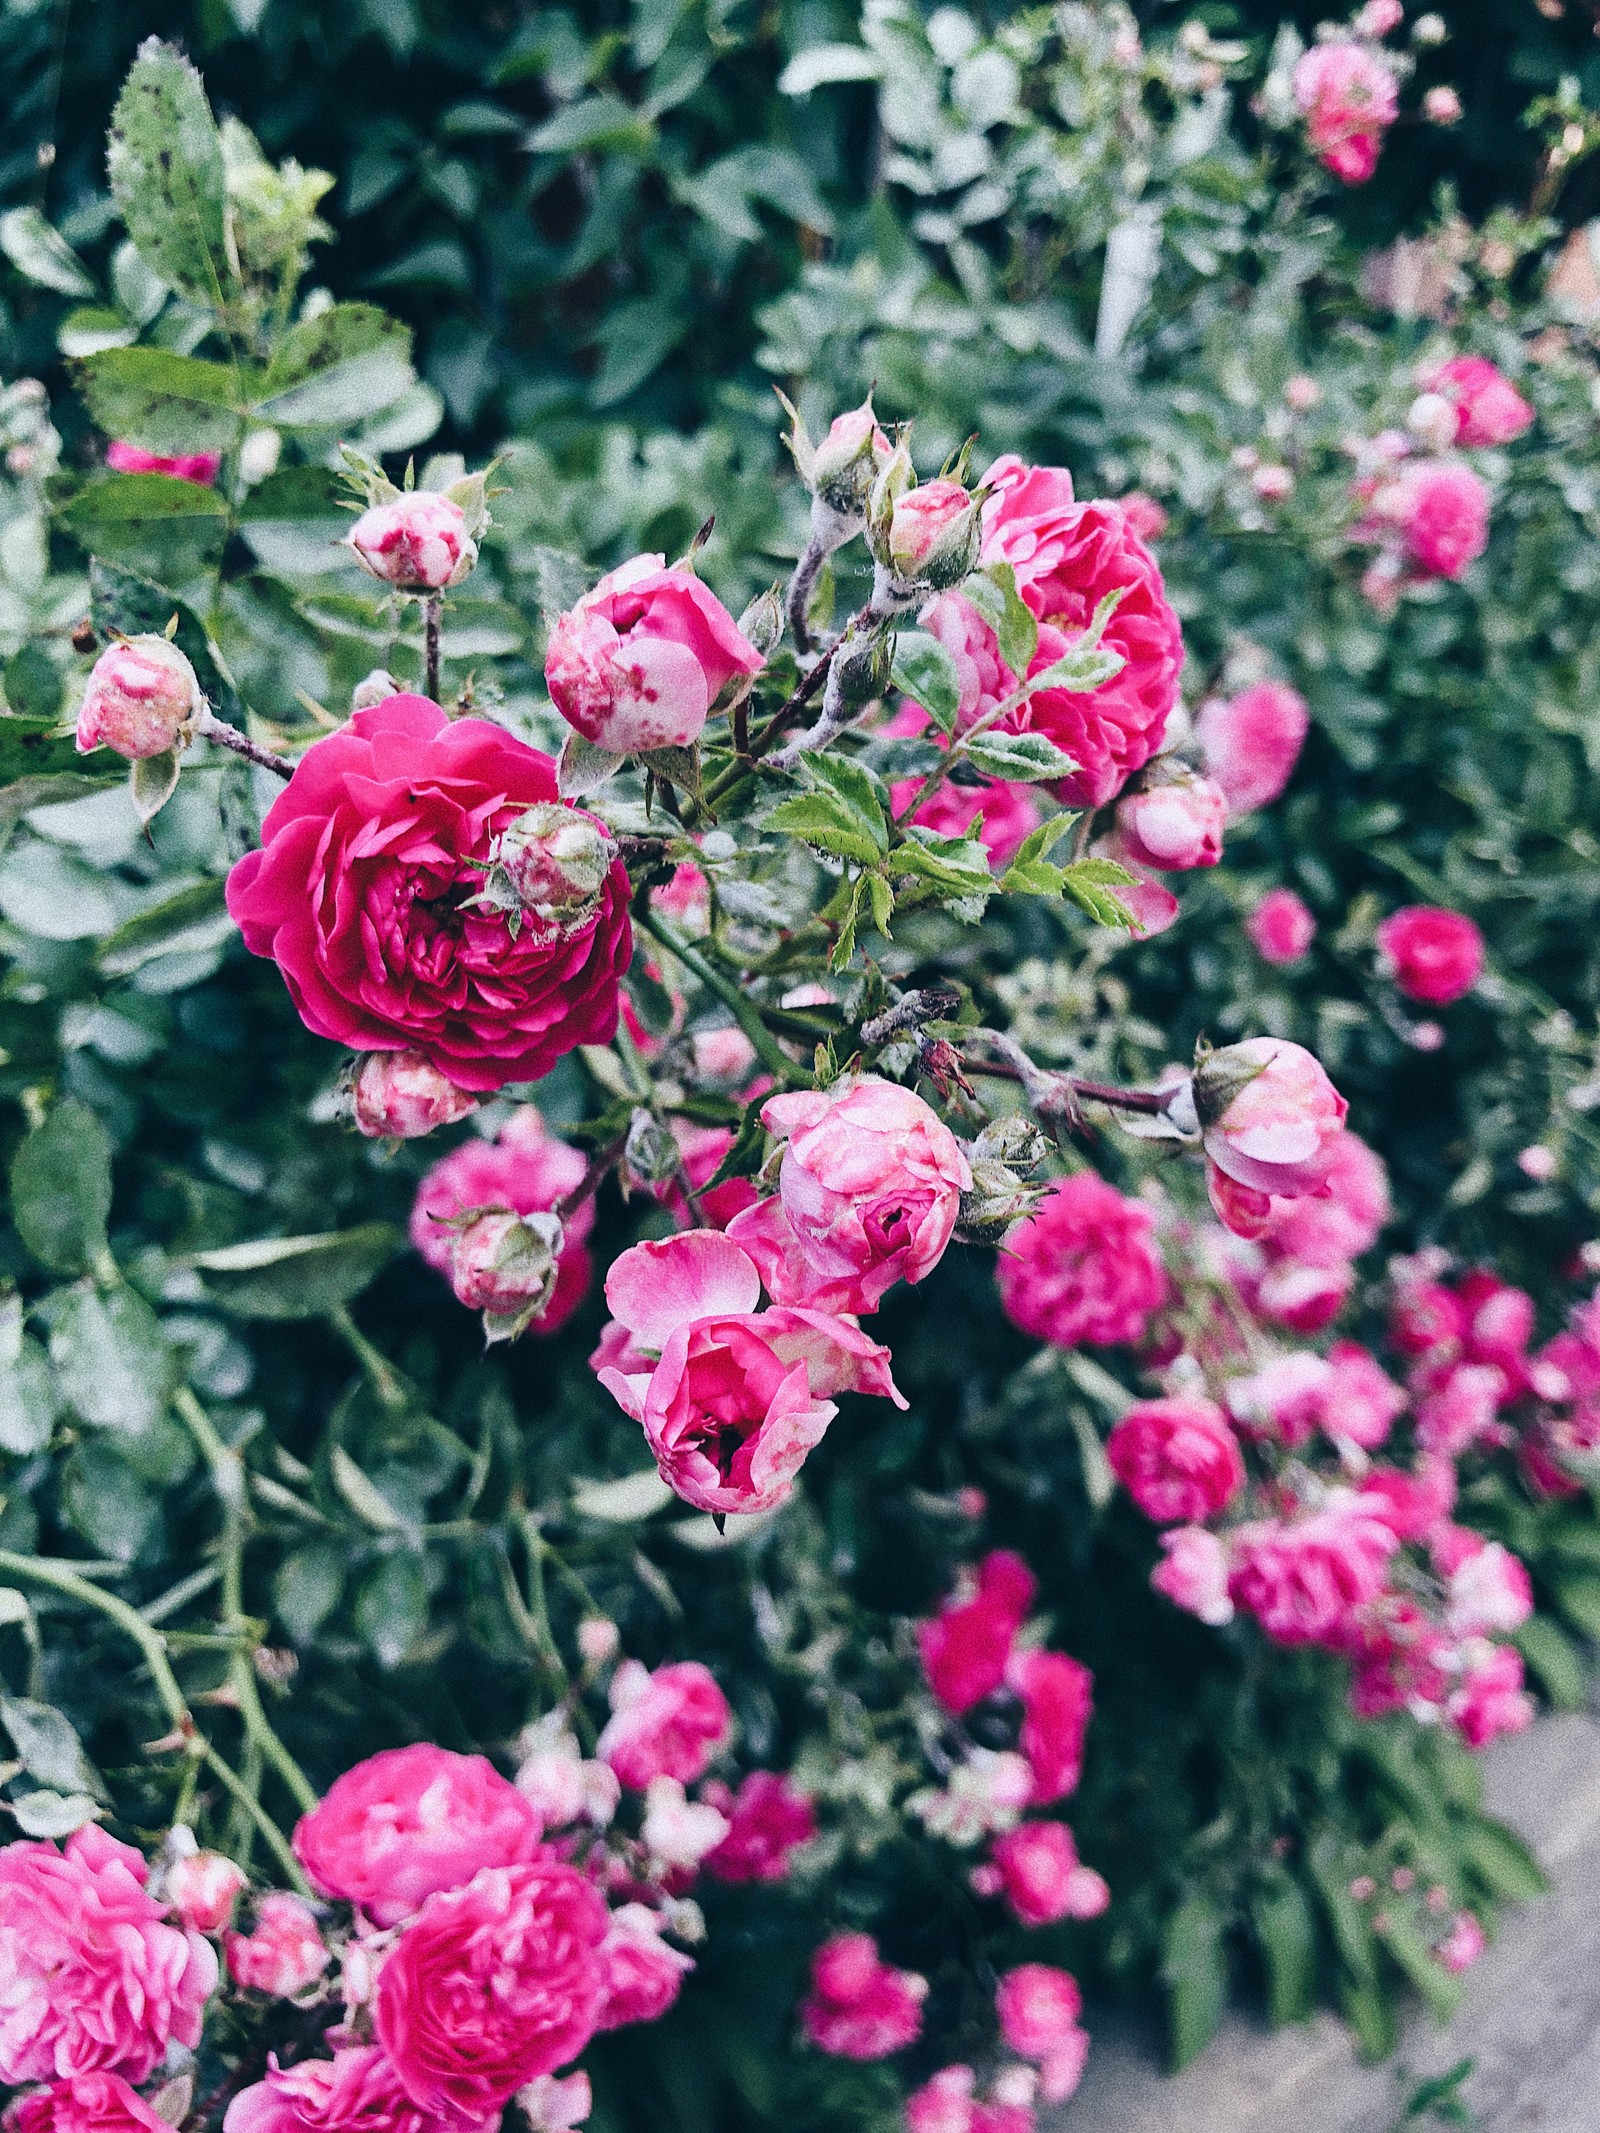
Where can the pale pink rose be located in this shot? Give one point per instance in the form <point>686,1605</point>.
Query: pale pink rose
<point>1459,1409</point>
<point>678,1831</point>
<point>555,2103</point>
<point>402,1095</point>
<point>562,1786</point>
<point>141,699</point>
<point>201,468</point>
<point>769,1819</point>
<point>1241,1210</point>
<point>1194,1574</point>
<point>1269,1115</point>
<point>1304,1581</point>
<point>642,1974</point>
<point>1174,821</point>
<point>1301,1298</point>
<point>763,1231</point>
<point>1462,1945</point>
<point>967,1646</point>
<point>640,660</point>
<point>1283,1400</point>
<point>1177,1459</point>
<point>94,1979</point>
<point>526,1170</point>
<point>286,1953</point>
<point>1302,393</point>
<point>946,2104</point>
<point>409,1821</point>
<point>1340,1221</point>
<point>1042,1877</point>
<point>492,1985</point>
<point>932,535</point>
<point>739,1396</point>
<point>1432,954</point>
<point>1490,1592</point>
<point>202,1888</point>
<point>1252,741</point>
<point>1489,410</point>
<point>1538,1162</point>
<point>670,1723</point>
<point>1056,1698</point>
<point>1083,1267</point>
<point>1491,1699</point>
<point>1281,927</point>
<point>84,2103</point>
<point>871,1179</point>
<point>1361,1402</point>
<point>1039,2009</point>
<point>858,2007</point>
<point>1442,106</point>
<point>1144,514</point>
<point>1348,96</point>
<point>1378,18</point>
<point>417,542</point>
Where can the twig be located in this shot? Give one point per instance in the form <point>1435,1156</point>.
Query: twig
<point>801,586</point>
<point>934,1003</point>
<point>745,1011</point>
<point>600,1162</point>
<point>1055,1095</point>
<point>432,628</point>
<point>212,728</point>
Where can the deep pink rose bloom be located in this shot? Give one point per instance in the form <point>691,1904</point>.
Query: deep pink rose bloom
<point>286,1953</point>
<point>1056,1693</point>
<point>1491,1699</point>
<point>1039,2009</point>
<point>967,1646</point>
<point>946,2103</point>
<point>738,1396</point>
<point>1361,1402</point>
<point>1083,1268</point>
<point>1443,513</point>
<point>94,1978</point>
<point>1281,927</point>
<point>643,1975</point>
<point>1489,409</point>
<point>492,1985</point>
<point>1432,954</point>
<point>1347,95</point>
<point>1177,1459</point>
<point>1173,823</point>
<point>769,1818</point>
<point>1193,1574</point>
<point>418,542</point>
<point>1499,1321</point>
<point>1305,1581</point>
<point>357,893</point>
<point>84,2103</point>
<point>669,1723</point>
<point>1042,1877</point>
<point>1410,1505</point>
<point>1340,1221</point>
<point>1252,741</point>
<point>356,2091</point>
<point>1270,1117</point>
<point>1067,557</point>
<point>410,1821</point>
<point>640,660</point>
<point>1459,1408</point>
<point>858,2007</point>
<point>199,467</point>
<point>525,1169</point>
<point>871,1180</point>
<point>1282,1400</point>
<point>1426,1316</point>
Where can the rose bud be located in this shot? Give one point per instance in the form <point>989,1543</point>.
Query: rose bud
<point>202,1888</point>
<point>417,542</point>
<point>924,538</point>
<point>548,869</point>
<point>840,470</point>
<point>398,1096</point>
<point>1269,1116</point>
<point>1281,928</point>
<point>1432,954</point>
<point>505,1266</point>
<point>1175,820</point>
<point>141,700</point>
<point>285,1955</point>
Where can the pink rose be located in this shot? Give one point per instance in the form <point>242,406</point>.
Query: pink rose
<point>1177,1459</point>
<point>1489,1592</point>
<point>1459,1408</point>
<point>1489,409</point>
<point>402,1095</point>
<point>967,1646</point>
<point>739,1396</point>
<point>1304,1581</point>
<point>417,542</point>
<point>1347,95</point>
<point>201,468</point>
<point>946,2104</point>
<point>1042,1877</point>
<point>141,700</point>
<point>410,1821</point>
<point>1150,904</point>
<point>1426,1316</point>
<point>356,2091</point>
<point>1302,1298</point>
<point>1174,821</point>
<point>1194,1574</point>
<point>1269,1115</point>
<point>1144,514</point>
<point>492,1985</point>
<point>1252,741</point>
<point>1432,954</point>
<point>1462,1945</point>
<point>931,536</point>
<point>1443,514</point>
<point>1039,2009</point>
<point>1410,1505</point>
<point>1282,1399</point>
<point>1056,1698</point>
<point>84,2103</point>
<point>871,1180</point>
<point>1499,1322</point>
<point>667,1724</point>
<point>94,1978</point>
<point>1281,927</point>
<point>1083,1268</point>
<point>1361,1402</point>
<point>642,1975</point>
<point>355,894</point>
<point>640,660</point>
<point>1490,1699</point>
<point>526,1170</point>
<point>769,1819</point>
<point>202,1888</point>
<point>1002,813</point>
<point>858,2007</point>
<point>286,1953</point>
<point>1340,1221</point>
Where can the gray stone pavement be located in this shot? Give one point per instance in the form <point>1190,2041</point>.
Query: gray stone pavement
<point>1530,2019</point>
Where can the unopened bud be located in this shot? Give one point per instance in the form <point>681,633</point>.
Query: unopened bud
<point>762,620</point>
<point>1013,1140</point>
<point>505,1266</point>
<point>651,1152</point>
<point>997,1199</point>
<point>1302,393</point>
<point>1429,30</point>
<point>401,1095</point>
<point>418,542</point>
<point>1441,106</point>
<point>1175,818</point>
<point>1269,1116</point>
<point>845,464</point>
<point>924,539</point>
<point>202,1887</point>
<point>862,665</point>
<point>141,700</point>
<point>549,869</point>
<point>1273,484</point>
<point>599,1639</point>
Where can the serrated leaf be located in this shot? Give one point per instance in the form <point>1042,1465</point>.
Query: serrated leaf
<point>336,336</point>
<point>1031,872</point>
<point>845,946</point>
<point>165,161</point>
<point>1023,758</point>
<point>61,1188</point>
<point>297,1277</point>
<point>1016,627</point>
<point>845,813</point>
<point>163,401</point>
<point>622,1503</point>
<point>49,1749</point>
<point>1089,884</point>
<point>132,500</point>
<point>675,766</point>
<point>584,768</point>
<point>363,1495</point>
<point>924,670</point>
<point>42,255</point>
<point>53,1814</point>
<point>880,897</point>
<point>957,865</point>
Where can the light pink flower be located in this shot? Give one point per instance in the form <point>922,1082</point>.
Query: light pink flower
<point>967,1646</point>
<point>670,1723</point>
<point>1177,1459</point>
<point>1282,1400</point>
<point>202,1887</point>
<point>1489,409</point>
<point>84,2103</point>
<point>286,1953</point>
<point>140,700</point>
<point>931,534</point>
<point>1252,741</point>
<point>410,1821</point>
<point>1459,1408</point>
<point>1039,2009</point>
<point>1490,1592</point>
<point>94,1977</point>
<point>1348,97</point>
<point>1410,1505</point>
<point>640,660</point>
<point>1491,1699</point>
<point>1194,1574</point>
<point>1269,1115</point>
<point>1432,954</point>
<point>642,1974</point>
<point>356,2091</point>
<point>1056,1697</point>
<point>201,468</point>
<point>417,542</point>
<point>1301,1298</point>
<point>1144,514</point>
<point>1083,1268</point>
<point>526,1170</point>
<point>1305,1580</point>
<point>1462,1945</point>
<point>677,1831</point>
<point>1042,1877</point>
<point>553,2103</point>
<point>1361,1402</point>
<point>1281,927</point>
<point>858,2007</point>
<point>1174,821</point>
<point>769,1819</point>
<point>402,1095</point>
<point>946,2103</point>
<point>1340,1221</point>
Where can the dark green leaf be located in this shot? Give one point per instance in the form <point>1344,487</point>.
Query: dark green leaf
<point>34,684</point>
<point>297,1277</point>
<point>61,1188</point>
<point>165,402</point>
<point>107,1504</point>
<point>195,918</point>
<point>167,176</point>
<point>1554,1658</point>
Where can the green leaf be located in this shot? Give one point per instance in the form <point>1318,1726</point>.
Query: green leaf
<point>593,122</point>
<point>391,1610</point>
<point>363,1495</point>
<point>957,865</point>
<point>1402,1937</point>
<point>993,592</point>
<point>1555,1661</point>
<point>1332,1871</point>
<point>37,748</point>
<point>152,780</point>
<point>297,1277</point>
<point>167,175</point>
<point>1194,1971</point>
<point>61,1188</point>
<point>1025,758</point>
<point>121,599</point>
<point>923,669</point>
<point>165,402</point>
<point>1031,872</point>
<point>846,812</point>
<point>1577,1597</point>
<point>28,1402</point>
<point>306,1589</point>
<point>48,1748</point>
<point>53,1814</point>
<point>42,255</point>
<point>1500,1859</point>
<point>820,64</point>
<point>1286,1933</point>
<point>335,370</point>
<point>338,335</point>
<point>139,499</point>
<point>107,1504</point>
<point>34,684</point>
<point>196,918</point>
<point>881,899</point>
<point>622,1503</point>
<point>845,946</point>
<point>112,1363</point>
<point>1086,883</point>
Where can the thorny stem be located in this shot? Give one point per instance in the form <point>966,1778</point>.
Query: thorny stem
<point>744,1009</point>
<point>1056,1095</point>
<point>212,728</point>
<point>432,630</point>
<point>600,1162</point>
<point>801,586</point>
<point>739,773</point>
